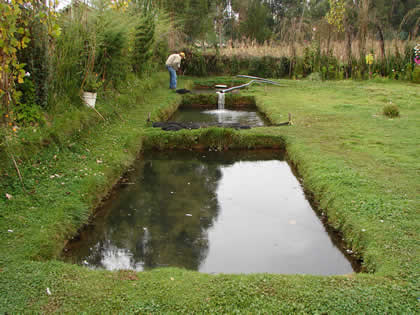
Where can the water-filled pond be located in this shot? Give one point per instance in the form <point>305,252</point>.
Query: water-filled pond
<point>246,116</point>
<point>215,212</point>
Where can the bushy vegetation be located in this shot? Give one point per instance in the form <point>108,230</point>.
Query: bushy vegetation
<point>267,39</point>
<point>391,111</point>
<point>81,47</point>
<point>326,66</point>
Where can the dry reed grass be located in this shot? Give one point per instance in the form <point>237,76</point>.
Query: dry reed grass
<point>338,48</point>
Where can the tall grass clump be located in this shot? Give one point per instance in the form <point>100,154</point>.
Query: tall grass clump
<point>96,40</point>
<point>92,41</point>
<point>391,111</point>
<point>71,53</point>
<point>108,42</point>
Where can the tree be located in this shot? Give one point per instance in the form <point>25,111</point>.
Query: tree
<point>412,15</point>
<point>336,14</point>
<point>221,17</point>
<point>143,42</point>
<point>255,25</point>
<point>14,36</point>
<point>20,21</point>
<point>198,20</point>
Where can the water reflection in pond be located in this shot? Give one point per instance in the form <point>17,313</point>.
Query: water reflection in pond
<point>224,212</point>
<point>248,117</point>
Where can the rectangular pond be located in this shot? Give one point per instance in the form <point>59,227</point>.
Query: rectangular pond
<point>219,109</point>
<point>214,212</point>
<point>244,117</point>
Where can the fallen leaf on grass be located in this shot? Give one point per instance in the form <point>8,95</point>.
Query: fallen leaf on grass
<point>127,275</point>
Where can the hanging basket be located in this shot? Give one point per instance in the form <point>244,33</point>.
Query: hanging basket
<point>89,98</point>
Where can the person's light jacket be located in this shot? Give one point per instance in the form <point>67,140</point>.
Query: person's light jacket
<point>174,61</point>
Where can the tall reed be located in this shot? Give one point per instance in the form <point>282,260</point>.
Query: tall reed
<point>337,48</point>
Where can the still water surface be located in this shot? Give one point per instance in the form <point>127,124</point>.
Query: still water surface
<point>229,212</point>
<point>248,117</point>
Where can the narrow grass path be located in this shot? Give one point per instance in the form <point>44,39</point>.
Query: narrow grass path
<point>362,168</point>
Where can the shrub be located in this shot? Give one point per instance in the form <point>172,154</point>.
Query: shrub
<point>92,83</point>
<point>315,76</point>
<point>283,67</point>
<point>416,74</point>
<point>111,43</point>
<point>195,64</point>
<point>391,111</point>
<point>235,66</point>
<point>258,68</point>
<point>298,69</point>
<point>28,112</point>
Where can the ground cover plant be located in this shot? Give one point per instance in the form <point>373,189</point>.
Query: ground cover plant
<point>359,164</point>
<point>355,144</point>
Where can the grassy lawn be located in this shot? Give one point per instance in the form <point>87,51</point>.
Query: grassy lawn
<point>362,168</point>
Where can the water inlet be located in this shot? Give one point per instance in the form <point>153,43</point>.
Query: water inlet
<point>221,100</point>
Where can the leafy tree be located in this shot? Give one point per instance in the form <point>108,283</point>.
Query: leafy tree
<point>13,25</point>
<point>336,14</point>
<point>21,20</point>
<point>198,20</point>
<point>221,17</point>
<point>255,25</point>
<point>411,22</point>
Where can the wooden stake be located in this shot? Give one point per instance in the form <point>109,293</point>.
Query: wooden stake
<point>98,113</point>
<point>18,171</point>
<point>290,119</point>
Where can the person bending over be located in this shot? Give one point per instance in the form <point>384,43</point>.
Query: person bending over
<point>172,64</point>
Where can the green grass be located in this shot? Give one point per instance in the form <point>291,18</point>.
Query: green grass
<point>361,166</point>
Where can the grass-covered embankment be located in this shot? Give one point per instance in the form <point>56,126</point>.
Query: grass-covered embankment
<point>360,165</point>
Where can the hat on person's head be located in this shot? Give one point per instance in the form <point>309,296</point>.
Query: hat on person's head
<point>182,54</point>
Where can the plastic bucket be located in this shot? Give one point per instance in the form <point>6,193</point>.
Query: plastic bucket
<point>89,98</point>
